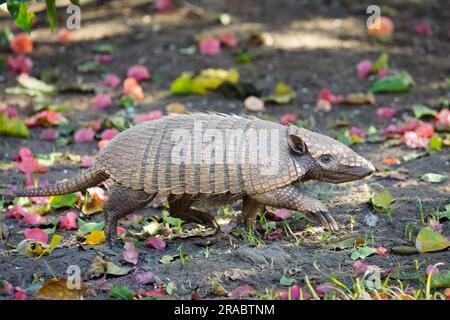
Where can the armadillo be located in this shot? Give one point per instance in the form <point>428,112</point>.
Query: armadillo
<point>208,159</point>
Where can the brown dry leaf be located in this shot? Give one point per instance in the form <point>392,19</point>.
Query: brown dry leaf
<point>175,107</point>
<point>219,290</point>
<point>58,289</point>
<point>360,98</point>
<point>97,268</point>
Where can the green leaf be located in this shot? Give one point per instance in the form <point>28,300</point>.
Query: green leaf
<point>171,221</point>
<point>121,292</point>
<point>283,94</point>
<point>14,127</point>
<point>51,13</point>
<point>86,227</point>
<point>381,63</point>
<point>166,259</point>
<point>91,67</point>
<point>435,143</point>
<point>61,201</point>
<point>400,82</point>
<point>382,199</point>
<point>77,2</point>
<point>440,280</point>
<point>346,243</point>
<point>35,84</point>
<point>19,12</point>
<point>115,270</point>
<point>104,49</point>
<point>429,240</point>
<point>287,282</point>
<point>361,253</point>
<point>434,177</point>
<point>421,111</point>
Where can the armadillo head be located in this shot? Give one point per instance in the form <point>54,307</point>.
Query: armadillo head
<point>333,161</point>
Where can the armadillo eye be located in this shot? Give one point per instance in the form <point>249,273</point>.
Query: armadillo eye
<point>325,159</point>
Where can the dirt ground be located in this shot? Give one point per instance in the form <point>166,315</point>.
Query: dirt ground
<point>316,45</point>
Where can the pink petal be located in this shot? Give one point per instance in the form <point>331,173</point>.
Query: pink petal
<point>36,234</point>
<point>17,212</point>
<point>386,113</point>
<point>20,64</point>
<point>138,72</point>
<point>110,81</point>
<point>10,112</point>
<point>87,161</point>
<point>425,130</point>
<point>436,226</point>
<point>163,5</point>
<point>103,58</point>
<point>382,73</point>
<point>101,101</point>
<point>325,94</point>
<point>130,253</point>
<point>145,278</point>
<point>412,140</point>
<point>49,134</point>
<point>245,290</point>
<point>121,231</point>
<point>108,134</point>
<point>19,294</point>
<point>431,269</point>
<point>324,288</point>
<point>423,29</point>
<point>283,214</point>
<point>33,218</point>
<point>288,118</point>
<point>364,68</point>
<point>152,115</point>
<point>69,221</point>
<point>209,46</point>
<point>229,39</point>
<point>443,117</point>
<point>382,251</point>
<point>361,268</point>
<point>8,289</point>
<point>357,132</point>
<point>153,242</point>
<point>84,135</point>
<point>275,235</point>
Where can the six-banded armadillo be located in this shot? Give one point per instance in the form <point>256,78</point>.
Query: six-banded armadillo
<point>203,159</point>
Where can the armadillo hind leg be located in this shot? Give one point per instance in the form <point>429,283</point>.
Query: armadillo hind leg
<point>250,209</point>
<point>291,197</point>
<point>180,207</point>
<point>121,201</point>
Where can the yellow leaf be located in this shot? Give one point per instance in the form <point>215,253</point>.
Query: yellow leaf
<point>60,289</point>
<point>95,237</point>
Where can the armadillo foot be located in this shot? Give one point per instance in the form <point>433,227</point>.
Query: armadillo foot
<point>323,218</point>
<point>121,201</point>
<point>180,207</point>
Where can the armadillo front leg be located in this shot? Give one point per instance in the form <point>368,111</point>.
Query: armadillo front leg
<point>291,197</point>
<point>121,201</point>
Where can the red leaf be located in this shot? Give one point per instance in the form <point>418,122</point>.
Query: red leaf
<point>386,112</point>
<point>69,221</point>
<point>288,118</point>
<point>132,87</point>
<point>275,235</point>
<point>229,39</point>
<point>158,292</point>
<point>84,135</point>
<point>382,251</point>
<point>138,72</point>
<point>163,5</point>
<point>19,294</point>
<point>414,141</point>
<point>145,278</point>
<point>209,46</point>
<point>283,214</point>
<point>443,117</point>
<point>357,132</point>
<point>49,134</point>
<point>33,218</point>
<point>21,44</point>
<point>156,243</point>
<point>36,234</point>
<point>130,253</point>
<point>63,36</point>
<point>44,118</point>
<point>17,212</point>
<point>10,111</point>
<point>87,161</point>
<point>423,29</point>
<point>20,64</point>
<point>325,94</point>
<point>108,134</point>
<point>101,101</point>
<point>152,115</point>
<point>364,68</point>
<point>110,81</point>
<point>240,291</point>
<point>104,58</point>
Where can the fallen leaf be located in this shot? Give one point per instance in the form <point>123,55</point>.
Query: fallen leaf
<point>94,201</point>
<point>49,134</point>
<point>381,27</point>
<point>364,68</point>
<point>101,101</point>
<point>166,259</point>
<point>115,270</point>
<point>209,46</point>
<point>386,113</point>
<point>253,104</point>
<point>441,280</point>
<point>121,292</point>
<point>382,199</point>
<point>20,64</point>
<point>95,237</point>
<point>434,177</point>
<point>61,289</point>
<point>163,5</point>
<point>423,29</point>
<point>36,234</point>
<point>138,72</point>
<point>110,81</point>
<point>422,111</point>
<point>283,94</point>
<point>14,127</point>
<point>382,63</point>
<point>346,243</point>
<point>130,253</point>
<point>429,240</point>
<point>61,201</point>
<point>156,243</point>
<point>360,98</point>
<point>362,252</point>
<point>175,107</point>
<point>145,278</point>
<point>400,82</point>
<point>83,135</point>
<point>21,44</point>
<point>69,221</point>
<point>132,87</point>
<point>241,291</point>
<point>287,118</point>
<point>404,250</point>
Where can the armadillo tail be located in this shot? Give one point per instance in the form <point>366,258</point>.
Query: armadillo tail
<point>89,178</point>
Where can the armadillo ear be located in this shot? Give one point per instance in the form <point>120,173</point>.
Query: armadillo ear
<point>297,144</point>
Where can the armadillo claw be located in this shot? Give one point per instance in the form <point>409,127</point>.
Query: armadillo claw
<point>323,218</point>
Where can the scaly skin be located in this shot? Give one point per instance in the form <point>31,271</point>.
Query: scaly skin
<point>290,197</point>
